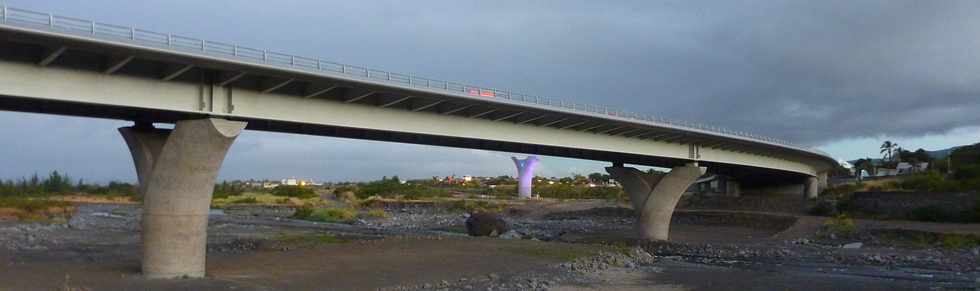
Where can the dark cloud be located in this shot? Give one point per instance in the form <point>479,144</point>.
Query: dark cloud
<point>808,71</point>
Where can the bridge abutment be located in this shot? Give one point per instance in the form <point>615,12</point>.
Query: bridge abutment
<point>654,196</point>
<point>177,170</point>
<point>525,175</point>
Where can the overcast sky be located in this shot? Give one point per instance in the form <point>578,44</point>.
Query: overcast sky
<point>838,75</point>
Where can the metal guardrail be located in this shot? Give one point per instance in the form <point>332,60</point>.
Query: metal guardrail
<point>63,24</point>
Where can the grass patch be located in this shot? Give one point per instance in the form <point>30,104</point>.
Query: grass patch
<point>477,206</point>
<point>326,214</point>
<point>310,239</point>
<point>34,209</point>
<point>30,204</point>
<point>246,200</point>
<point>266,199</point>
<point>376,213</point>
<point>922,239</point>
<point>840,225</point>
<point>549,251</point>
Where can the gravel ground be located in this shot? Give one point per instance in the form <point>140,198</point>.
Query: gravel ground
<point>97,231</point>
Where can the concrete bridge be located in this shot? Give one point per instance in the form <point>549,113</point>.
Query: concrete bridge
<point>211,91</point>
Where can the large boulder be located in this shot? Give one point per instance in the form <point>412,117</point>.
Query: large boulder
<point>486,224</point>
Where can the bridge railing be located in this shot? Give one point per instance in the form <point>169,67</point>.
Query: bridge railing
<point>51,22</point>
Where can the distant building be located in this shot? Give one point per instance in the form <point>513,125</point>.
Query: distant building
<point>299,182</point>
<point>848,166</point>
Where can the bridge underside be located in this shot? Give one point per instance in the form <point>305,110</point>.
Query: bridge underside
<point>747,176</point>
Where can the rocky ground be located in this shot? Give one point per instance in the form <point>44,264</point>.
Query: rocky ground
<point>551,246</point>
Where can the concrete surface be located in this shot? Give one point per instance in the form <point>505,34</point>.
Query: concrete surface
<point>177,191</point>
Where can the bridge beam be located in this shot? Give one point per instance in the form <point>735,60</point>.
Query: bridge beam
<point>525,175</point>
<point>313,91</point>
<point>176,72</point>
<point>654,196</point>
<point>532,119</point>
<point>228,78</point>
<point>427,106</point>
<point>177,169</point>
<point>52,56</point>
<point>117,63</point>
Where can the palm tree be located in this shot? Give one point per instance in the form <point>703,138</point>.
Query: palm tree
<point>886,149</point>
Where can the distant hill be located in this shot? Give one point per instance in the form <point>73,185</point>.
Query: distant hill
<point>942,154</point>
<point>936,155</point>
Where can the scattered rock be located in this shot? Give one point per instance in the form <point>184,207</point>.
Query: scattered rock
<point>801,241</point>
<point>853,245</point>
<point>486,224</point>
<point>511,234</point>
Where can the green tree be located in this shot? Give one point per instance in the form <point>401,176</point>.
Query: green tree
<point>887,149</point>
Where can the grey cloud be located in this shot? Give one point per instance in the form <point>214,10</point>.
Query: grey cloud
<point>807,71</point>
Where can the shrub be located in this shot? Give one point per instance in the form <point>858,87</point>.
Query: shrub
<point>823,208</point>
<point>568,191</point>
<point>930,182</point>
<point>225,189</point>
<point>345,188</point>
<point>393,187</point>
<point>973,214</point>
<point>932,214</point>
<point>955,241</point>
<point>303,212</point>
<point>840,225</point>
<point>294,191</point>
<point>842,190</point>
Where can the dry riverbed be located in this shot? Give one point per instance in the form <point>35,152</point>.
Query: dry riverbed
<point>568,246</point>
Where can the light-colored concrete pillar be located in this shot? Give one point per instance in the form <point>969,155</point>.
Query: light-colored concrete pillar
<point>811,187</point>
<point>145,143</point>
<point>734,188</point>
<point>177,191</point>
<point>654,196</point>
<point>525,175</point>
<point>822,181</point>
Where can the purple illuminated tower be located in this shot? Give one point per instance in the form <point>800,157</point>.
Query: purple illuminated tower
<point>525,173</point>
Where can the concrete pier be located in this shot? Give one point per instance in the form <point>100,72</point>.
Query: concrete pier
<point>525,175</point>
<point>177,170</point>
<point>811,187</point>
<point>654,196</point>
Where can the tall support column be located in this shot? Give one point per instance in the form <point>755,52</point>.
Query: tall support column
<point>733,188</point>
<point>525,173</point>
<point>654,196</point>
<point>811,187</point>
<point>177,169</point>
<point>822,181</point>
